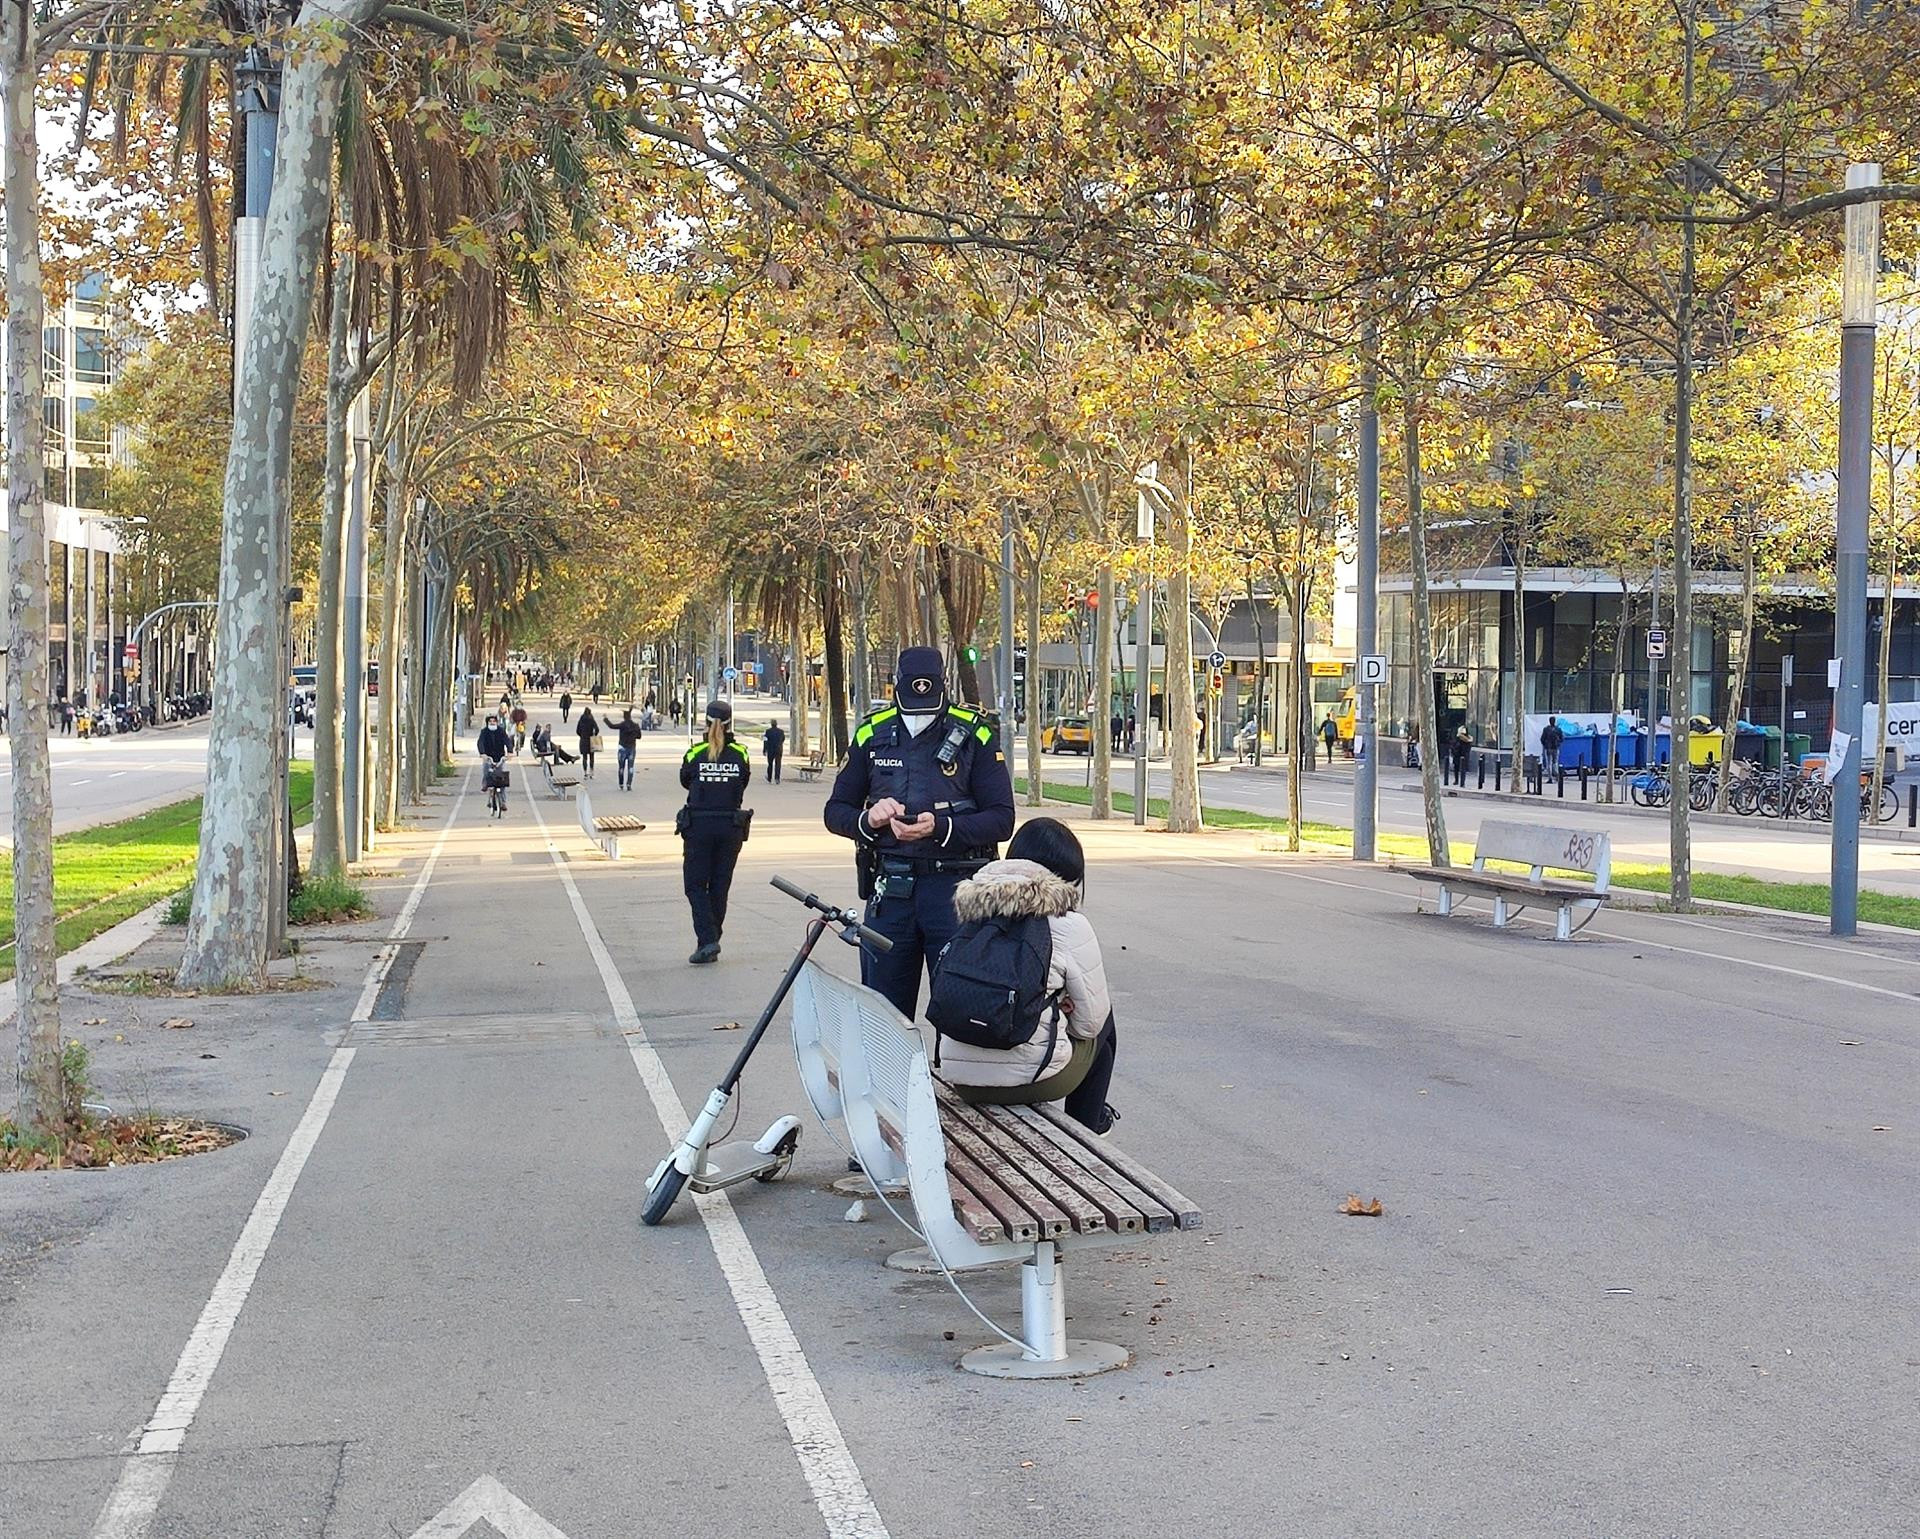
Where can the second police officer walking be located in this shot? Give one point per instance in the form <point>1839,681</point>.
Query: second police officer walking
<point>712,826</point>
<point>926,798</point>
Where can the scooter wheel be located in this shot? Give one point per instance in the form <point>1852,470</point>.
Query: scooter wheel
<point>783,1154</point>
<point>660,1199</point>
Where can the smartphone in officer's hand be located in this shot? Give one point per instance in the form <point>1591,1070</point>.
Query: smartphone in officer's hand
<point>908,832</point>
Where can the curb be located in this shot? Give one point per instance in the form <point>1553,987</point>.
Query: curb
<point>108,946</point>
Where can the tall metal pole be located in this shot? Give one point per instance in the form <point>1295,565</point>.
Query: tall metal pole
<point>1143,647</point>
<point>732,654</point>
<point>1653,663</point>
<point>1856,471</point>
<point>1004,674</point>
<point>1366,742</point>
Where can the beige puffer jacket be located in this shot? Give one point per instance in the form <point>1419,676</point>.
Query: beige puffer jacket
<point>1023,889</point>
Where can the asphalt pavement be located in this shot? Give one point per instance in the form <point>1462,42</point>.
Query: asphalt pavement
<point>100,780</point>
<point>1645,1268</point>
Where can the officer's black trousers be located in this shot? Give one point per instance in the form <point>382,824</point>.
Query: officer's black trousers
<point>918,926</point>
<point>711,847</point>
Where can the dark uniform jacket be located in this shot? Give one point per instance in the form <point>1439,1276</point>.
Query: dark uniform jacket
<point>971,798</point>
<point>715,785</point>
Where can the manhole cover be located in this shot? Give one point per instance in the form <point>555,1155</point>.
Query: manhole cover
<point>475,1030</point>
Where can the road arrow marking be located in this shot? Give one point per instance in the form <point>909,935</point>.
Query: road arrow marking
<point>486,1500</point>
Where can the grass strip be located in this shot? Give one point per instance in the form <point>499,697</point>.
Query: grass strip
<point>107,874</point>
<point>1790,897</point>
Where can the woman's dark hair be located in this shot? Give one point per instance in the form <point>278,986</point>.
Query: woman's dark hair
<point>1049,842</point>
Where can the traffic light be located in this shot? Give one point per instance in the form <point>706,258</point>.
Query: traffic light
<point>1093,598</point>
<point>1218,681</point>
<point>971,654</point>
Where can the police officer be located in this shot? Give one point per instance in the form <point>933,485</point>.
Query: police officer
<point>712,826</point>
<point>926,797</point>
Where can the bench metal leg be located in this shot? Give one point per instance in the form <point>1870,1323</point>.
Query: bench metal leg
<point>1563,923</point>
<point>1446,901</point>
<point>1049,1352</point>
<point>1499,912</point>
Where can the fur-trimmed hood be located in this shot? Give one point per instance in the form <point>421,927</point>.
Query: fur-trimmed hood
<point>1014,889</point>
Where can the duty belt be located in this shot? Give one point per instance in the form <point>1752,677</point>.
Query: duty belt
<point>958,865</point>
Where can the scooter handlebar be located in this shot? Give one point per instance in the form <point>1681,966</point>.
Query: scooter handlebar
<point>838,916</point>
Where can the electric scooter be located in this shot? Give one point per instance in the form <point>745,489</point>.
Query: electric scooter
<point>767,1157</point>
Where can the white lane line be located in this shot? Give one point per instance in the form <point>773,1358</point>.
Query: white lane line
<point>1618,935</point>
<point>87,782</point>
<point>148,1470</point>
<point>117,774</point>
<point>839,1490</point>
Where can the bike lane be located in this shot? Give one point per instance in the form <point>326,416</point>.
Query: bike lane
<point>460,1299</point>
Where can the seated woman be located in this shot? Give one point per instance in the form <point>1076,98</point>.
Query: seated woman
<point>1069,1057</point>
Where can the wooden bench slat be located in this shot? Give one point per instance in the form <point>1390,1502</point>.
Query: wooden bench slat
<point>1186,1215</point>
<point>966,1177</point>
<point>1014,1185</point>
<point>960,1122</point>
<point>1502,881</point>
<point>1066,1150</point>
<point>619,825</point>
<point>982,1222</point>
<point>1127,1210</point>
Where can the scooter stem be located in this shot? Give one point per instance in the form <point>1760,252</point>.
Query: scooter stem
<point>816,927</point>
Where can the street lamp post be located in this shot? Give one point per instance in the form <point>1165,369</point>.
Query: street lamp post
<point>1858,279</point>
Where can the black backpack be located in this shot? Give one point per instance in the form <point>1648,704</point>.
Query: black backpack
<point>990,983</point>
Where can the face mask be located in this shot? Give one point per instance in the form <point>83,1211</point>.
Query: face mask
<point>917,721</point>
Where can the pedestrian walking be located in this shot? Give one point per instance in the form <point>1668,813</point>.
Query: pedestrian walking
<point>926,798</point>
<point>627,730</point>
<point>1413,745</point>
<point>774,744</point>
<point>1133,727</point>
<point>1330,735</point>
<point>712,826</point>
<point>63,708</point>
<point>566,706</point>
<point>1116,730</point>
<point>518,716</point>
<point>587,730</point>
<point>1068,1054</point>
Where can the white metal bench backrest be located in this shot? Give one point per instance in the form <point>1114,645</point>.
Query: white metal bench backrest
<point>867,1044</point>
<point>1545,849</point>
<point>885,1081</point>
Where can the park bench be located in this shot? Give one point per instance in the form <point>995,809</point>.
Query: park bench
<point>560,782</point>
<point>816,762</point>
<point>987,1184</point>
<point>605,832</point>
<point>1543,848</point>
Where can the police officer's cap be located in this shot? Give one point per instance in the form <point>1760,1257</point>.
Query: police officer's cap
<point>920,681</point>
<point>719,710</point>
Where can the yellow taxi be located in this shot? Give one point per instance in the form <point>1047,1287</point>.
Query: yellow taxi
<point>1067,734</point>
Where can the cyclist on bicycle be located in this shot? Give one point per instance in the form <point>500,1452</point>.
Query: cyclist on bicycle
<point>494,745</point>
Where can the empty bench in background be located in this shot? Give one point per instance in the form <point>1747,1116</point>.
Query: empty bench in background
<point>605,832</point>
<point>987,1183</point>
<point>560,782</point>
<point>816,762</point>
<point>1542,848</point>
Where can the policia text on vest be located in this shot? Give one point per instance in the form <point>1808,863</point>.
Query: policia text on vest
<point>955,799</point>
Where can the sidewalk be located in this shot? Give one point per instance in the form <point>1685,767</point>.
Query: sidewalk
<point>1643,1258</point>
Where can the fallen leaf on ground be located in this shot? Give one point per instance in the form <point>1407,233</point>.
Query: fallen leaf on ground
<point>94,1020</point>
<point>1881,1127</point>
<point>175,1023</point>
<point>1844,1041</point>
<point>728,1026</point>
<point>276,1092</point>
<point>1360,1207</point>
